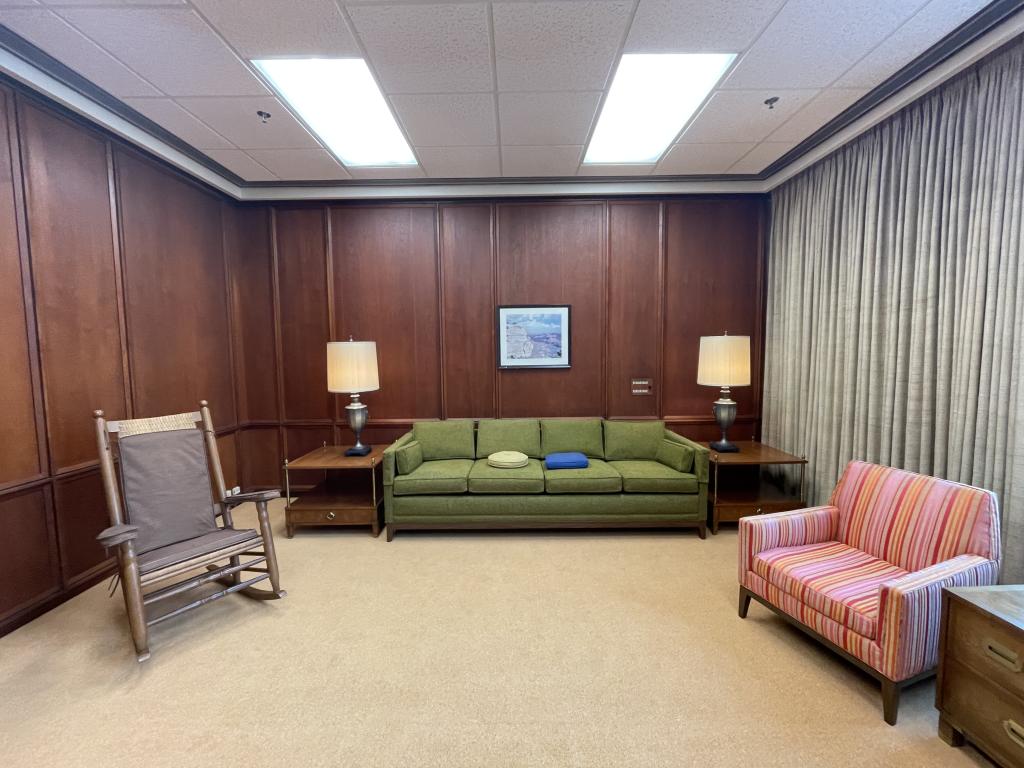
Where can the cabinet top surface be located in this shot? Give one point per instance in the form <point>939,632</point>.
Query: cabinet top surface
<point>753,452</point>
<point>333,457</point>
<point>1005,602</point>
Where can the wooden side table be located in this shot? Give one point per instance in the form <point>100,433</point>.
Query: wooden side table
<point>350,493</point>
<point>739,488</point>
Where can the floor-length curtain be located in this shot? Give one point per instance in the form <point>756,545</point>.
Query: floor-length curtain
<point>895,314</point>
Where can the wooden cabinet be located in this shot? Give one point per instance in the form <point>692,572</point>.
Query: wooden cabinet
<point>740,486</point>
<point>980,689</point>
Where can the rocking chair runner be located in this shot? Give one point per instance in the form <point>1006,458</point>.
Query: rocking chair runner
<point>167,523</point>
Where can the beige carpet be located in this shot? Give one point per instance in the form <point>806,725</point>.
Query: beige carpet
<point>539,649</point>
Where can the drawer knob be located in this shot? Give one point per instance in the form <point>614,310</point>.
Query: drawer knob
<point>1002,655</point>
<point>331,515</point>
<point>1015,732</point>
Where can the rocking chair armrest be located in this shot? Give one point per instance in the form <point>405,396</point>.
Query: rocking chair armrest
<point>240,498</point>
<point>117,534</point>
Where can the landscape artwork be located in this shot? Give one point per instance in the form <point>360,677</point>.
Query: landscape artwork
<point>533,337</point>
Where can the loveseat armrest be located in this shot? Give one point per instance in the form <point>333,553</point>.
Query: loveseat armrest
<point>910,607</point>
<point>701,454</point>
<point>798,527</point>
<point>390,470</point>
<point>117,534</point>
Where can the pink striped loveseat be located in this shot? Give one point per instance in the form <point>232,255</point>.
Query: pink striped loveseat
<point>864,574</point>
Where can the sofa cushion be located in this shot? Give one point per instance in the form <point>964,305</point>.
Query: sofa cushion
<point>675,455</point>
<point>564,435</point>
<point>484,478</point>
<point>644,476</point>
<point>493,435</point>
<point>445,439</point>
<point>832,578</point>
<point>633,439</point>
<point>408,457</point>
<point>599,477</point>
<point>438,476</point>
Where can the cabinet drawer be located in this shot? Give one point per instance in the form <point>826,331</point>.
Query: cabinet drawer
<point>331,516</point>
<point>990,717</point>
<point>987,647</point>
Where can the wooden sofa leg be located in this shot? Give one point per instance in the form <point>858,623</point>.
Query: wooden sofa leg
<point>890,701</point>
<point>744,602</point>
<point>702,530</point>
<point>390,532</point>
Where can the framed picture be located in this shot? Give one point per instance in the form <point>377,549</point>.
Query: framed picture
<point>533,337</point>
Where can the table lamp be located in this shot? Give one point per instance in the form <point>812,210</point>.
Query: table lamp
<point>352,369</point>
<point>724,362</point>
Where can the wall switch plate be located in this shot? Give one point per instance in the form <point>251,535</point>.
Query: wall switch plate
<point>641,386</point>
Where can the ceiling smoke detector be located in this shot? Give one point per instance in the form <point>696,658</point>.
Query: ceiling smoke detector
<point>770,101</point>
<point>263,116</point>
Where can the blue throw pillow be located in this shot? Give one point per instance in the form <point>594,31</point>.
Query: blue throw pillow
<point>569,460</point>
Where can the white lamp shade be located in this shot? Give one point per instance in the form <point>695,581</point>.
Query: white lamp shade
<point>724,361</point>
<point>352,366</point>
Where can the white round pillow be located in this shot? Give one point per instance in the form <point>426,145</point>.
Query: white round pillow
<point>508,459</point>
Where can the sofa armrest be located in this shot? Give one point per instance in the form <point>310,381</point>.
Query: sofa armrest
<point>910,607</point>
<point>798,527</point>
<point>390,470</point>
<point>701,454</point>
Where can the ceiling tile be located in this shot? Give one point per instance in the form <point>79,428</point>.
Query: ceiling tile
<point>817,112</point>
<point>569,45</point>
<point>761,156</point>
<point>694,26</point>
<point>280,27</point>
<point>459,162</point>
<point>402,172</point>
<point>683,159</point>
<point>540,161</point>
<point>927,27</point>
<point>615,170</point>
<point>741,116</point>
<point>300,164</point>
<point>65,43</point>
<point>114,2</point>
<point>537,119</point>
<point>168,114</point>
<point>451,119</point>
<point>17,4</point>
<point>171,47</point>
<point>426,48</point>
<point>810,42</point>
<point>240,163</point>
<point>235,119</point>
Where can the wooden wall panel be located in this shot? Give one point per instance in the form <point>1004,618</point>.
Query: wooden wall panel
<point>305,324</point>
<point>67,197</point>
<point>635,299</point>
<point>175,293</point>
<point>260,458</point>
<point>20,456</point>
<point>29,570</point>
<point>555,254</point>
<point>467,309</point>
<point>81,509</point>
<point>250,274</point>
<point>712,286</point>
<point>386,290</point>
<point>227,447</point>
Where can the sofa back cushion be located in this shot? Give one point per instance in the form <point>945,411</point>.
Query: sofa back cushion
<point>911,520</point>
<point>633,439</point>
<point>493,435</point>
<point>445,439</point>
<point>568,435</point>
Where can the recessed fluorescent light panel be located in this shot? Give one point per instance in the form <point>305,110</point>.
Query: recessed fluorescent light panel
<point>340,101</point>
<point>651,98</point>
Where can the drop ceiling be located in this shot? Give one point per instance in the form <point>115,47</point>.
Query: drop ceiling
<point>485,90</point>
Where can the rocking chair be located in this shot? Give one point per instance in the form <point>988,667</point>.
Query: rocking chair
<point>163,520</point>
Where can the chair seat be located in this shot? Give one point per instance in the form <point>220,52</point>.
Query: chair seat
<point>599,477</point>
<point>484,478</point>
<point>188,549</point>
<point>437,476</point>
<point>646,476</point>
<point>835,579</point>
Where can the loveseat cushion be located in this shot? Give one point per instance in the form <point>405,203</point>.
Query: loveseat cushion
<point>632,439</point>
<point>599,477</point>
<point>565,435</point>
<point>445,439</point>
<point>437,476</point>
<point>644,476</point>
<point>484,478</point>
<point>832,578</point>
<point>493,435</point>
<point>408,457</point>
<point>675,455</point>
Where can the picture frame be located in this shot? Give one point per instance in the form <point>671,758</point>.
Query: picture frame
<point>534,336</point>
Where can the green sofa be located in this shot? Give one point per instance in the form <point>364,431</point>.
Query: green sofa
<point>640,475</point>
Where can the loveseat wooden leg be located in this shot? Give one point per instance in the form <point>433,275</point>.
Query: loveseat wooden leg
<point>890,700</point>
<point>389,532</point>
<point>744,602</point>
<point>702,530</point>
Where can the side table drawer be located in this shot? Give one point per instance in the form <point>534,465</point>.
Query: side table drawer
<point>330,516</point>
<point>988,715</point>
<point>987,647</point>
